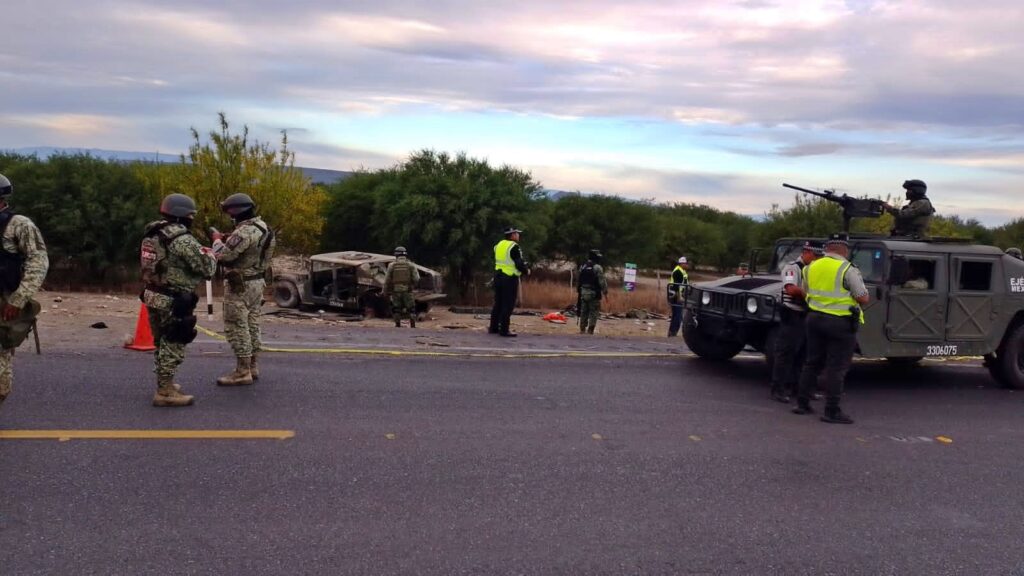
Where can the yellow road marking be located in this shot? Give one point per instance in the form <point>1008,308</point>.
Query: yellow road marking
<point>65,435</point>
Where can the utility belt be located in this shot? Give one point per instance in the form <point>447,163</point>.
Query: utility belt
<point>853,319</point>
<point>236,280</point>
<point>182,327</point>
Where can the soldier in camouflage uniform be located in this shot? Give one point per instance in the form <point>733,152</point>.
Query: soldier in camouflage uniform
<point>399,281</point>
<point>592,287</point>
<point>173,264</point>
<point>245,257</point>
<point>23,266</point>
<point>912,219</point>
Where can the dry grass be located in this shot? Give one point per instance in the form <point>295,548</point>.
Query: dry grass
<point>550,295</point>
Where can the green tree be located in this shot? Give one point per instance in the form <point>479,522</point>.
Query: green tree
<point>447,210</point>
<point>623,230</point>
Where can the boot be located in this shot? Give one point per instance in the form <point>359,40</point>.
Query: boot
<point>168,394</point>
<point>253,368</point>
<point>833,415</point>
<point>779,396</point>
<point>803,406</point>
<point>242,376</point>
<point>412,321</point>
<point>590,330</point>
<point>398,322</point>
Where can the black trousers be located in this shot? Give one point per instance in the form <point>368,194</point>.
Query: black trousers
<point>506,289</point>
<point>677,319</point>
<point>831,341</point>
<point>789,351</point>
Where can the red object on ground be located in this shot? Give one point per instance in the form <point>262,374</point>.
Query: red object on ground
<point>555,317</point>
<point>143,335</point>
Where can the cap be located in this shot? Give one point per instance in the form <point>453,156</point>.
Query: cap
<point>814,246</point>
<point>512,230</point>
<point>841,238</point>
<point>682,260</point>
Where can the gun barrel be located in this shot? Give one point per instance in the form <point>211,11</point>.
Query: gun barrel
<point>805,190</point>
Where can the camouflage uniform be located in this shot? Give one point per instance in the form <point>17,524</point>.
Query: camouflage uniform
<point>245,255</point>
<point>21,237</point>
<point>187,265</point>
<point>593,285</point>
<point>403,304</point>
<point>912,219</point>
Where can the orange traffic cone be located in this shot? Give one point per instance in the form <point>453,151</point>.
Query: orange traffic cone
<point>143,335</point>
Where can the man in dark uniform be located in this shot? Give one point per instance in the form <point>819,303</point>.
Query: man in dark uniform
<point>789,342</point>
<point>912,220</point>
<point>508,267</point>
<point>835,293</point>
<point>592,287</point>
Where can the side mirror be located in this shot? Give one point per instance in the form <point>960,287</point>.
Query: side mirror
<point>899,271</point>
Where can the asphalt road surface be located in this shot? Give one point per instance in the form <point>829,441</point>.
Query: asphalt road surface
<point>473,463</point>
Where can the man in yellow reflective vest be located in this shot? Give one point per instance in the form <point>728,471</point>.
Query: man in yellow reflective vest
<point>835,293</point>
<point>508,266</point>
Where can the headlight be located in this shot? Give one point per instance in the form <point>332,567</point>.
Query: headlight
<point>705,298</point>
<point>752,305</point>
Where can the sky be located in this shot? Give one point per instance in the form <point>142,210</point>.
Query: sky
<point>716,102</point>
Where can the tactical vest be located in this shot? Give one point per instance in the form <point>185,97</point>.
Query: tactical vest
<point>401,275</point>
<point>588,277</point>
<point>825,290</point>
<point>153,254</point>
<point>11,263</point>
<point>503,258</point>
<point>266,239</point>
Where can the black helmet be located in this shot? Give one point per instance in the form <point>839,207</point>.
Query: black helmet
<point>595,255</point>
<point>915,188</point>
<point>400,251</point>
<point>237,204</point>
<point>178,206</point>
<point>6,188</point>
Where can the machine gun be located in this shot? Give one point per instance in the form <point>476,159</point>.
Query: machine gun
<point>852,207</point>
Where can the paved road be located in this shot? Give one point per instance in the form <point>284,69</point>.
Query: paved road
<point>480,465</point>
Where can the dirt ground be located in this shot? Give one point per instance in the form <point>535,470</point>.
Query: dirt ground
<point>91,320</point>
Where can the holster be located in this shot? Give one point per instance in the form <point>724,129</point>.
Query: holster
<point>235,281</point>
<point>855,313</point>
<point>14,332</point>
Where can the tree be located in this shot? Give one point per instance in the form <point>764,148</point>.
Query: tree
<point>623,230</point>
<point>448,211</point>
<point>230,163</point>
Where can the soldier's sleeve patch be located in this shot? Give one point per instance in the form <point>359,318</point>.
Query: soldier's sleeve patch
<point>233,241</point>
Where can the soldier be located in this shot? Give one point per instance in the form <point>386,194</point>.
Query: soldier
<point>1015,252</point>
<point>676,295</point>
<point>173,263</point>
<point>835,293</point>
<point>245,257</point>
<point>789,342</point>
<point>23,266</point>
<point>912,220</point>
<point>399,281</point>
<point>592,287</point>
<point>508,267</point>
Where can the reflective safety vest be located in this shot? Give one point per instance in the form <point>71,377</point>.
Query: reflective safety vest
<point>686,277</point>
<point>503,258</point>
<point>825,290</point>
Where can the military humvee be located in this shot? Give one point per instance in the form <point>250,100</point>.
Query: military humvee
<point>934,298</point>
<point>351,281</point>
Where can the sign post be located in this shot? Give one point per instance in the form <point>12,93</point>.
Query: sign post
<point>629,277</point>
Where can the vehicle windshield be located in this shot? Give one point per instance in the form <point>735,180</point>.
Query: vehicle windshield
<point>786,251</point>
<point>869,258</point>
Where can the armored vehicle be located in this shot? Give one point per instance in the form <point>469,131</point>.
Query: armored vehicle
<point>935,298</point>
<point>351,281</point>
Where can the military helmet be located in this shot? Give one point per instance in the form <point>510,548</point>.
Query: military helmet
<point>178,206</point>
<point>1015,252</point>
<point>400,251</point>
<point>6,188</point>
<point>916,189</point>
<point>595,255</point>
<point>237,203</point>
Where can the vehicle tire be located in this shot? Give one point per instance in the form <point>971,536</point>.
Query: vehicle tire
<point>1008,365</point>
<point>373,305</point>
<point>286,295</point>
<point>704,345</point>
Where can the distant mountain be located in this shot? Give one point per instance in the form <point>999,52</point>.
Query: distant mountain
<point>317,175</point>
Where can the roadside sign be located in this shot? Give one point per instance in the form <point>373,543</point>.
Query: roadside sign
<point>629,277</point>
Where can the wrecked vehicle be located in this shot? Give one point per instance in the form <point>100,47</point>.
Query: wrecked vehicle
<point>351,281</point>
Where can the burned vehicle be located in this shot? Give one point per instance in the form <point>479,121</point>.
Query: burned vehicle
<point>351,281</point>
<point>930,297</point>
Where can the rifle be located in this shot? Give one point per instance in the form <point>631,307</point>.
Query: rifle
<point>852,207</point>
<point>579,305</point>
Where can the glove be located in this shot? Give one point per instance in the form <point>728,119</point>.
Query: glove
<point>10,312</point>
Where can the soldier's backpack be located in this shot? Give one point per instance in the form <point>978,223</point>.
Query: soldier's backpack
<point>401,276</point>
<point>588,277</point>
<point>10,263</point>
<point>153,253</point>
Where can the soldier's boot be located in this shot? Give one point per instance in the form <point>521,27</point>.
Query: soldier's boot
<point>803,406</point>
<point>779,395</point>
<point>412,321</point>
<point>398,322</point>
<point>168,394</point>
<point>590,330</point>
<point>254,369</point>
<point>241,376</point>
<point>834,415</point>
